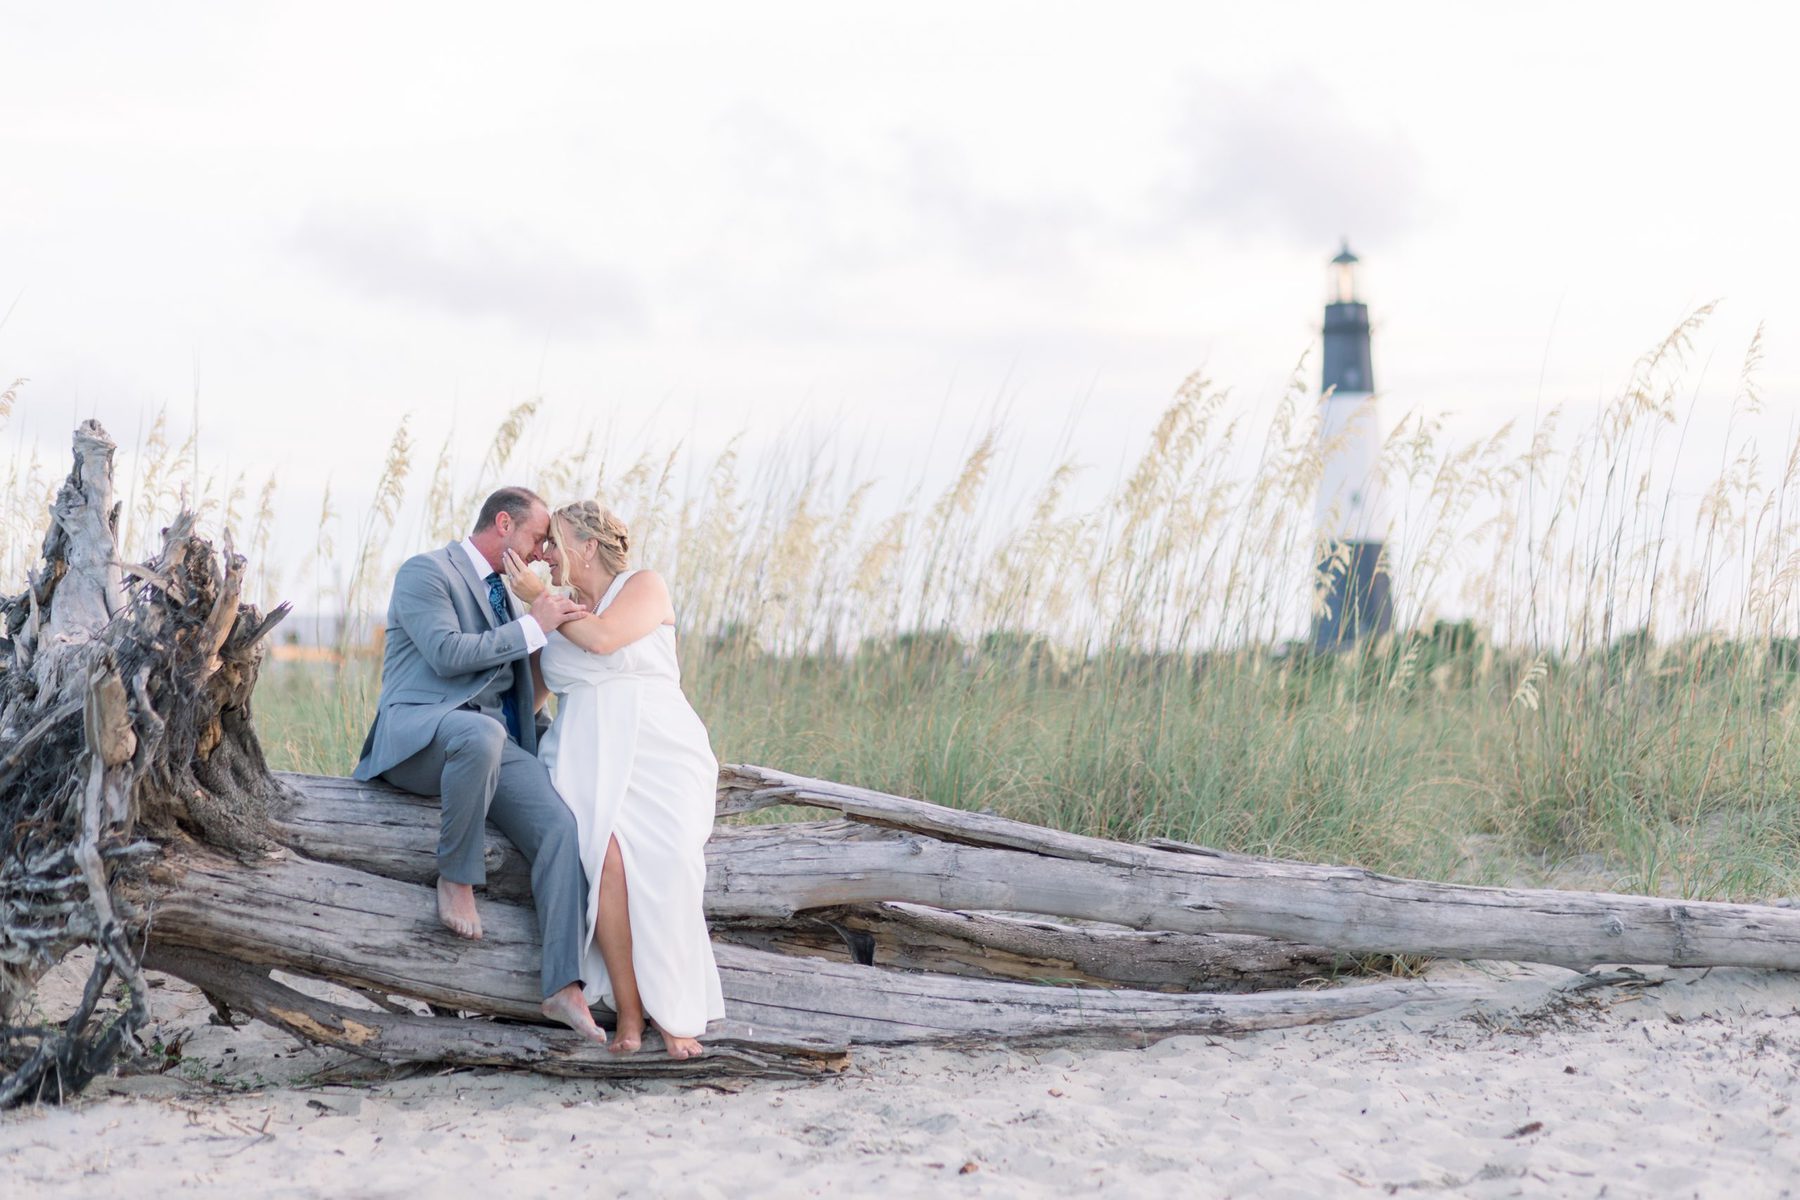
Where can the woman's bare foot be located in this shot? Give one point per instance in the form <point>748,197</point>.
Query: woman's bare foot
<point>456,909</point>
<point>568,1007</point>
<point>682,1047</point>
<point>628,1034</point>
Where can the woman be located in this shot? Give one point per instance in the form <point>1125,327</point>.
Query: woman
<point>631,759</point>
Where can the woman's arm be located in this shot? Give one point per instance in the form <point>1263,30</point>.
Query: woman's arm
<point>540,689</point>
<point>641,605</point>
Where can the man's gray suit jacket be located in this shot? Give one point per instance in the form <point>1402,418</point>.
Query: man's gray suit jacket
<point>445,648</point>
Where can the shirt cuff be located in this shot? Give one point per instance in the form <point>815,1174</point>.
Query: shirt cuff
<point>534,633</point>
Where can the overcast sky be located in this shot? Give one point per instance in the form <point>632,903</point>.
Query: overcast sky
<point>318,217</point>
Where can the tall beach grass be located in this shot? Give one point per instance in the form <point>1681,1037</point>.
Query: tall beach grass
<point>1594,678</point>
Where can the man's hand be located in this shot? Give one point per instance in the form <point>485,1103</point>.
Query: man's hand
<point>551,610</point>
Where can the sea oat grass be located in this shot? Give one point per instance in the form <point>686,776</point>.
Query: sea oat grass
<point>1591,679</point>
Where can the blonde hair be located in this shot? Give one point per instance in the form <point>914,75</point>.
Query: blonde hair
<point>590,521</point>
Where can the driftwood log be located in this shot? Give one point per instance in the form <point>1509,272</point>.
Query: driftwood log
<point>817,888</point>
<point>141,820</point>
<point>124,723</point>
<point>1193,889</point>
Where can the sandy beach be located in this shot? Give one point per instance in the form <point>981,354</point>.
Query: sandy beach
<point>1679,1085</point>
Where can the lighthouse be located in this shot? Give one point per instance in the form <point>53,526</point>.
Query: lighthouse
<point>1352,597</point>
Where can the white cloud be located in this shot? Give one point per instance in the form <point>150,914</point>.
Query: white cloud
<point>956,210</point>
<point>1286,159</point>
<point>540,288</point>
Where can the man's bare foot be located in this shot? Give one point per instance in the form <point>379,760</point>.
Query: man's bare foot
<point>682,1047</point>
<point>456,909</point>
<point>568,1007</point>
<point>628,1034</point>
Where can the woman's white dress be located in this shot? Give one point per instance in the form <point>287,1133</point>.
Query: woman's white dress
<point>631,759</point>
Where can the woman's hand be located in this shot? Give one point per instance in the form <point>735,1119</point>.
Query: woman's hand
<point>521,579</point>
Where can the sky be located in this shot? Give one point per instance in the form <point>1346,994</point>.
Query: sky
<point>300,222</point>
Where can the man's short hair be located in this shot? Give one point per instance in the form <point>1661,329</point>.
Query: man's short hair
<point>515,502</point>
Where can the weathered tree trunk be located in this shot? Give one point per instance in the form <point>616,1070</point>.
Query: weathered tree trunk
<point>894,849</point>
<point>352,927</point>
<point>1197,890</point>
<point>121,708</point>
<point>994,946</point>
<point>760,878</point>
<point>138,808</point>
<point>401,1036</point>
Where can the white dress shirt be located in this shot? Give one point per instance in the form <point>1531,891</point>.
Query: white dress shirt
<point>534,633</point>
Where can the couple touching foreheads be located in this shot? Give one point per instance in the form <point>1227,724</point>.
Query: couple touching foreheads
<point>612,802</point>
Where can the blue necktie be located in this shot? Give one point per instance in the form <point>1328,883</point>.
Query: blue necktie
<point>503,614</point>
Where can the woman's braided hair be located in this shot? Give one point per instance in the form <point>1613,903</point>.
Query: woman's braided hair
<point>590,521</point>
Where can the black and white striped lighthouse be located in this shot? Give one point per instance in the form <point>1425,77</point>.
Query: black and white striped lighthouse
<point>1353,598</point>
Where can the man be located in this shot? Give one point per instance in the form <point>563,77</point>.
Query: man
<point>456,719</point>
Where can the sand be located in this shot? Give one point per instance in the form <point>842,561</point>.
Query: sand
<point>1682,1085</point>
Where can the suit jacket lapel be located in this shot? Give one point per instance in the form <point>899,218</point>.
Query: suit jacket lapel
<point>524,691</point>
<point>459,562</point>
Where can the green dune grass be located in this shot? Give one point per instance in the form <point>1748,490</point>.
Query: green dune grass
<point>1612,705</point>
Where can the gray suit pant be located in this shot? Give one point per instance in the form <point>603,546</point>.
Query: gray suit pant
<point>483,775</point>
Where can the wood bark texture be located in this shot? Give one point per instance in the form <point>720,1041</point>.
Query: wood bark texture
<point>123,713</point>
<point>355,928</point>
<point>1196,890</point>
<point>815,888</point>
